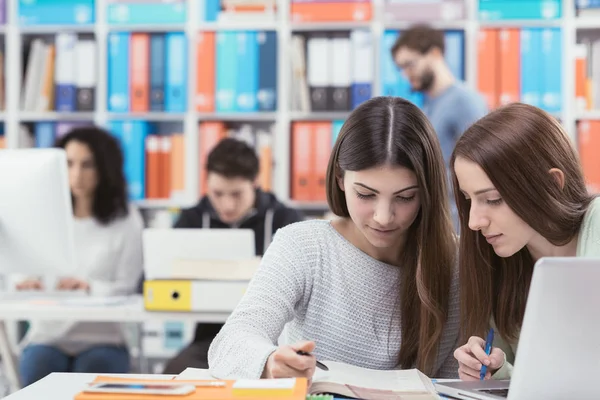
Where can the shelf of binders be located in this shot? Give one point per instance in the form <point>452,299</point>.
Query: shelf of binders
<point>53,29</point>
<point>240,116</point>
<point>329,26</point>
<point>25,116</point>
<point>237,26</point>
<point>522,23</point>
<point>587,23</point>
<point>589,115</point>
<point>319,115</point>
<point>149,28</point>
<point>155,116</point>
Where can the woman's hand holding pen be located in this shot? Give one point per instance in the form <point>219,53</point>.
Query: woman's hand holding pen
<point>285,362</point>
<point>471,357</point>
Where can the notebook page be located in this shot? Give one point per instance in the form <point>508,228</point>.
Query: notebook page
<point>395,380</point>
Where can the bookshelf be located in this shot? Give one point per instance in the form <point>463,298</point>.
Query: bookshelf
<point>15,36</point>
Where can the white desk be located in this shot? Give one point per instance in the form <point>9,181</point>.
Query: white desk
<point>130,311</point>
<point>64,386</point>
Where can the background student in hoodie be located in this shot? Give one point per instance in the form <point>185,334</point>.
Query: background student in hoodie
<point>233,200</point>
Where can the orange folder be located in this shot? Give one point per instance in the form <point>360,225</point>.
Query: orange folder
<point>164,153</point>
<point>177,164</point>
<point>202,393</point>
<point>510,66</point>
<point>302,161</point>
<point>487,66</point>
<point>205,74</point>
<point>211,133</point>
<point>321,148</point>
<point>152,167</point>
<point>2,142</point>
<point>334,11</point>
<point>588,139</point>
<point>140,72</point>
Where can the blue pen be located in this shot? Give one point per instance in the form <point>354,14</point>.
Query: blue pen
<point>488,349</point>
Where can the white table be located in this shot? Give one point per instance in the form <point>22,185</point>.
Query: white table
<point>130,311</point>
<point>64,386</point>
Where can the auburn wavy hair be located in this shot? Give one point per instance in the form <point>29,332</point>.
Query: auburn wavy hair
<point>516,146</point>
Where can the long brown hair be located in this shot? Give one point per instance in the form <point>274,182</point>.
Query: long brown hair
<point>516,146</point>
<point>393,131</point>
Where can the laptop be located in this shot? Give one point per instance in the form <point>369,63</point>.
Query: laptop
<point>163,247</point>
<point>559,350</point>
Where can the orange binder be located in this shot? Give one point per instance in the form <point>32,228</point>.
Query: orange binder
<point>510,66</point>
<point>140,72</point>
<point>302,161</point>
<point>321,148</point>
<point>581,77</point>
<point>331,12</point>
<point>2,142</point>
<point>298,392</point>
<point>265,155</point>
<point>211,133</point>
<point>487,66</point>
<point>588,135</point>
<point>152,167</point>
<point>177,165</point>
<point>164,153</point>
<point>205,75</point>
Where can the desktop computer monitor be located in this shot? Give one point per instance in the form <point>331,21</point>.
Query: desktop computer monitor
<point>36,217</point>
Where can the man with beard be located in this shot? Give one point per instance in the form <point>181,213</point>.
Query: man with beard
<point>449,104</point>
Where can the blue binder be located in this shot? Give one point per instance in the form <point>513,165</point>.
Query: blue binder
<point>176,82</point>
<point>157,72</point>
<point>118,72</point>
<point>247,59</point>
<point>531,65</point>
<point>267,77</point>
<point>226,71</point>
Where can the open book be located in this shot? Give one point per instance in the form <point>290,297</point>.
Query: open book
<point>362,383</point>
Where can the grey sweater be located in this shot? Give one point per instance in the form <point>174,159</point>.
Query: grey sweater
<point>327,290</point>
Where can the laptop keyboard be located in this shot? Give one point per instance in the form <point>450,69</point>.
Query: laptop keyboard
<point>495,392</point>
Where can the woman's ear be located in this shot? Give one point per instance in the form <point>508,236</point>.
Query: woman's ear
<point>339,177</point>
<point>558,176</point>
<point>340,182</point>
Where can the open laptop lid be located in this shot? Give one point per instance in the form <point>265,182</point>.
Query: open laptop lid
<point>559,354</point>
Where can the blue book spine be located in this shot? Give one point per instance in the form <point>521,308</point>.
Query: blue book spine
<point>226,71</point>
<point>133,139</point>
<point>172,12</point>
<point>454,54</point>
<point>531,65</point>
<point>390,75</point>
<point>157,72</point>
<point>519,9</point>
<point>59,12</point>
<point>336,127</point>
<point>551,76</point>
<point>176,83</point>
<point>212,8</point>
<point>267,76</point>
<point>361,89</point>
<point>44,134</point>
<point>247,59</point>
<point>118,72</point>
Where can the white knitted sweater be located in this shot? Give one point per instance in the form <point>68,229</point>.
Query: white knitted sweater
<point>327,290</point>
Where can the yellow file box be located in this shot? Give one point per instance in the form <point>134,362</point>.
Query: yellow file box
<point>193,295</point>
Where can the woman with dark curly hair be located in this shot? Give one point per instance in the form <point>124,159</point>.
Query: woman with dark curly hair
<point>109,254</point>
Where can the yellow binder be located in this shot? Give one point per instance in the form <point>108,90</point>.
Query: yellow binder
<point>168,295</point>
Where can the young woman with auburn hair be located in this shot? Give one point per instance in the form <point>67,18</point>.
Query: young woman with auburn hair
<point>521,196</point>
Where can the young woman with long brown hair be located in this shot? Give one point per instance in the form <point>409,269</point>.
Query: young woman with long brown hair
<point>376,287</point>
<point>521,196</point>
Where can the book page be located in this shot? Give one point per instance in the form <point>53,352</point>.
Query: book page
<point>192,374</point>
<point>392,380</point>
